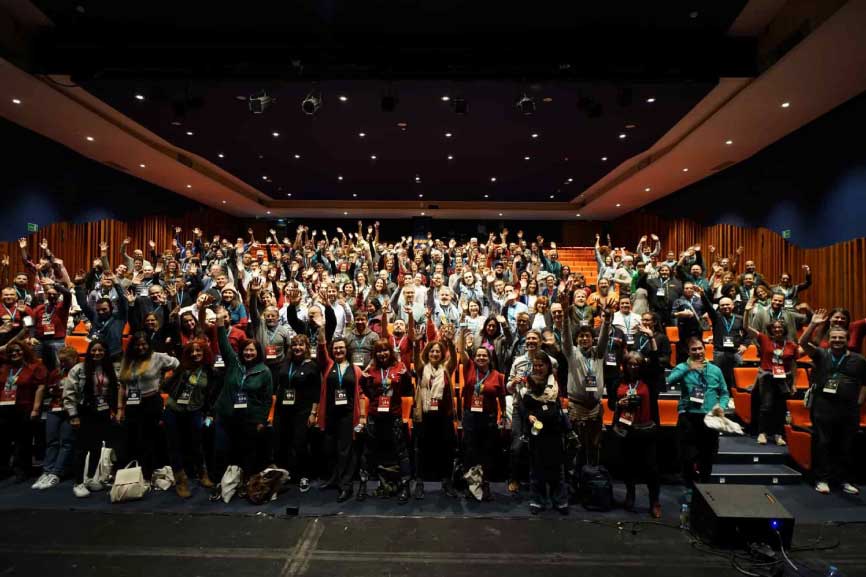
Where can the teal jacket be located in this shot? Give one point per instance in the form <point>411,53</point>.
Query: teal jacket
<point>257,385</point>
<point>711,379</point>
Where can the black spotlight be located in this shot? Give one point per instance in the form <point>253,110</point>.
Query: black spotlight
<point>389,103</point>
<point>259,102</point>
<point>311,103</point>
<point>460,105</point>
<point>526,105</point>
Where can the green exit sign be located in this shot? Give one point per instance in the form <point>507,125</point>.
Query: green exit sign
<point>32,227</point>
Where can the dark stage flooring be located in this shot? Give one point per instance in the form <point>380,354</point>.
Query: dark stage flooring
<point>52,533</point>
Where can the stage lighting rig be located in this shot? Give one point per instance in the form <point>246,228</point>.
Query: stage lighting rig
<point>526,105</point>
<point>260,101</point>
<point>311,103</point>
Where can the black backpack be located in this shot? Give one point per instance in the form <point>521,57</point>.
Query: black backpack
<point>596,488</point>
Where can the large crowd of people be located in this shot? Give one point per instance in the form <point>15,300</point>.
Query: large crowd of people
<point>302,353</point>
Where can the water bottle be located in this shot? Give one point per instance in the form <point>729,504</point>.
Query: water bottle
<point>684,516</point>
<point>787,417</point>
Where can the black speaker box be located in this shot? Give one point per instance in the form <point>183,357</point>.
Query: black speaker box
<point>736,515</point>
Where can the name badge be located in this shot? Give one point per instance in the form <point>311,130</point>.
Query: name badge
<point>48,329</point>
<point>789,303</point>
<point>313,353</point>
<point>384,404</point>
<point>133,396</point>
<point>358,358</point>
<point>831,386</point>
<point>270,352</point>
<point>340,397</point>
<point>626,418</point>
<point>660,292</point>
<point>629,339</point>
<point>218,362</point>
<point>590,384</point>
<point>434,405</point>
<point>610,359</point>
<point>477,404</point>
<point>289,397</point>
<point>584,323</point>
<point>185,396</point>
<point>28,322</point>
<point>778,372</point>
<point>697,396</point>
<point>101,404</point>
<point>241,400</point>
<point>727,342</point>
<point>7,396</point>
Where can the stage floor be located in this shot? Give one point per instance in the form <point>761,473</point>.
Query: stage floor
<point>53,533</point>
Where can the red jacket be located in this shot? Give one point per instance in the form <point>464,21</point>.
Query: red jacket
<point>327,363</point>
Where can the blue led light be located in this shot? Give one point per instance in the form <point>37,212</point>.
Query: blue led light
<point>775,524</point>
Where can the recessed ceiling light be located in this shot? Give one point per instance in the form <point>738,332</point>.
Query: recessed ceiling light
<point>547,99</point>
<point>340,177</point>
<point>221,155</point>
<point>267,212</point>
<point>729,142</point>
<point>621,135</point>
<point>786,104</point>
<point>570,179</point>
<point>447,135</point>
<point>372,157</point>
<point>189,186</point>
<point>89,138</point>
<point>345,213</point>
<point>650,100</point>
<point>492,179</point>
<point>354,195</point>
<point>534,135</point>
<point>685,170</point>
<point>618,204</point>
<point>604,159</point>
<point>647,189</point>
<point>276,134</point>
<point>362,134</point>
<point>422,214</point>
<point>500,214</point>
<point>486,196</point>
<point>343,98</point>
<point>526,158</point>
<point>190,133</point>
<point>551,196</point>
<point>420,196</point>
<point>417,178</point>
<point>450,157</point>
<point>264,177</point>
<point>142,165</point>
<point>578,214</point>
<point>224,202</point>
<point>446,98</point>
<point>16,101</point>
<point>139,96</point>
<point>297,157</point>
<point>288,194</point>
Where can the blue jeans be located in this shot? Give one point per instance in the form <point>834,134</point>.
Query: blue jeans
<point>59,443</point>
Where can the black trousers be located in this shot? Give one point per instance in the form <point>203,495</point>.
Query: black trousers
<point>639,451</point>
<point>339,447</point>
<point>96,427</point>
<point>385,445</point>
<point>433,440</point>
<point>835,424</point>
<point>293,443</point>
<point>699,446</point>
<point>726,360</point>
<point>143,432</point>
<point>774,393</point>
<point>239,442</point>
<point>480,433</point>
<point>16,430</point>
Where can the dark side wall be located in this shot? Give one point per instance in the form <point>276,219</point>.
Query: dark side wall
<point>812,182</point>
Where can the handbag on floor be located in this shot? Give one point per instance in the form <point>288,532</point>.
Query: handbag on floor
<point>264,486</point>
<point>231,480</point>
<point>129,484</point>
<point>105,468</point>
<point>162,479</point>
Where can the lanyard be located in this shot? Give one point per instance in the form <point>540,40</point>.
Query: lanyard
<point>777,315</point>
<point>271,334</point>
<point>728,325</point>
<point>198,375</point>
<point>479,384</point>
<point>626,320</point>
<point>632,389</point>
<point>292,372</point>
<point>386,383</point>
<point>12,379</point>
<point>835,364</point>
<point>644,341</point>
<point>340,375</point>
<point>22,295</point>
<point>587,365</point>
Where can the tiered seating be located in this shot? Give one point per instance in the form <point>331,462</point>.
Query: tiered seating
<point>580,259</point>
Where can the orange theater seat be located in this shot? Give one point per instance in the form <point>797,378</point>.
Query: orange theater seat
<point>77,342</point>
<point>80,328</point>
<point>608,414</point>
<point>742,405</point>
<point>751,354</point>
<point>800,415</point>
<point>673,334</point>
<point>668,414</point>
<point>708,352</point>
<point>273,406</point>
<point>744,377</point>
<point>801,380</point>
<point>407,403</point>
<point>799,446</point>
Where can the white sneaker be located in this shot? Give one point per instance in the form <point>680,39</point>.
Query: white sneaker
<point>762,439</point>
<point>50,482</point>
<point>80,491</point>
<point>850,489</point>
<point>94,486</point>
<point>39,482</point>
<point>780,441</point>
<point>822,488</point>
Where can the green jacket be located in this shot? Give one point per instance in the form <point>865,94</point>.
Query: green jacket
<point>257,385</point>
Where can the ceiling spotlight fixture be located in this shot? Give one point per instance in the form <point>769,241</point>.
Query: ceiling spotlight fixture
<point>311,103</point>
<point>525,105</point>
<point>267,212</point>
<point>423,213</point>
<point>486,196</point>
<point>142,165</point>
<point>276,134</point>
<point>729,142</point>
<point>578,214</point>
<point>618,205</point>
<point>345,214</point>
<point>450,157</point>
<point>786,104</point>
<point>647,189</point>
<point>190,133</point>
<point>685,170</point>
<point>221,155</point>
<point>343,98</point>
<point>551,196</point>
<point>362,134</point>
<point>340,178</point>
<point>622,135</point>
<point>288,194</point>
<point>604,159</point>
<point>260,101</point>
<point>372,157</point>
<point>16,101</point>
<point>525,158</point>
<point>224,202</point>
<point>570,179</point>
<point>417,178</point>
<point>500,214</point>
<point>446,98</point>
<point>189,186</point>
<point>89,138</point>
<point>460,105</point>
<point>264,177</point>
<point>492,179</point>
<point>534,135</point>
<point>547,99</point>
<point>448,135</point>
<point>139,96</point>
<point>650,100</point>
<point>420,196</point>
<point>354,195</point>
<point>297,157</point>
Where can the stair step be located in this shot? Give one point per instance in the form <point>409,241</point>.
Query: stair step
<point>754,474</point>
<point>744,450</point>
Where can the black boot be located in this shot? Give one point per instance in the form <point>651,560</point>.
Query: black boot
<point>404,492</point>
<point>362,491</point>
<point>345,494</point>
<point>419,489</point>
<point>628,504</point>
<point>448,488</point>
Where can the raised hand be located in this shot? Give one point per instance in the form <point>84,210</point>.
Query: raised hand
<point>103,246</point>
<point>197,232</point>
<point>152,244</point>
<point>820,317</point>
<point>177,230</point>
<point>126,241</point>
<point>44,244</point>
<point>4,260</point>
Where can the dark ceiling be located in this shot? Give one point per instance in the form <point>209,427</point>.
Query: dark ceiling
<point>191,61</point>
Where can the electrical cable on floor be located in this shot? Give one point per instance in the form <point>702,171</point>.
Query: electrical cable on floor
<point>784,553</point>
